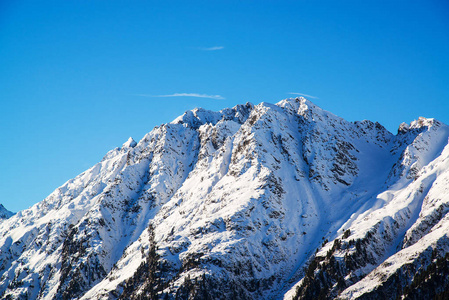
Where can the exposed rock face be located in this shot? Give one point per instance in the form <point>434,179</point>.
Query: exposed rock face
<point>234,204</point>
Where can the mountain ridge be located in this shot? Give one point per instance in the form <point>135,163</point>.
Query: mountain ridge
<point>235,203</point>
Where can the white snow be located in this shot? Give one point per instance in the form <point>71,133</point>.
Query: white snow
<point>260,186</point>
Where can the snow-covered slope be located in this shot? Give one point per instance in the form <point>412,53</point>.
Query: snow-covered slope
<point>247,203</point>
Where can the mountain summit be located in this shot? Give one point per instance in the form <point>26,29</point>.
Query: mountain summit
<point>4,213</point>
<point>252,202</point>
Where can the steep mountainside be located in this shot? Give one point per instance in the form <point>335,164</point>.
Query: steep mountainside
<point>4,213</point>
<point>253,202</point>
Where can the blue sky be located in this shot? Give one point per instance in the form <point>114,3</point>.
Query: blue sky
<point>76,76</point>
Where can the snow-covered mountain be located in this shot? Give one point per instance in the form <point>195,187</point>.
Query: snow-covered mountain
<point>252,202</point>
<point>4,213</point>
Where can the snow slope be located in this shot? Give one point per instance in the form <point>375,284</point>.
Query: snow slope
<point>234,204</point>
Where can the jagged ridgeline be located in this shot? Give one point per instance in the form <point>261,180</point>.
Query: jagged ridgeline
<point>252,202</point>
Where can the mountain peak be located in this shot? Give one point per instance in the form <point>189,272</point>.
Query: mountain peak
<point>309,110</point>
<point>130,143</point>
<point>298,103</point>
<point>419,124</point>
<point>4,213</point>
<point>424,122</point>
<point>198,116</point>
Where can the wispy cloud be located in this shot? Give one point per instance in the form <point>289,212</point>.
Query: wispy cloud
<point>216,97</point>
<point>305,95</point>
<point>215,48</point>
